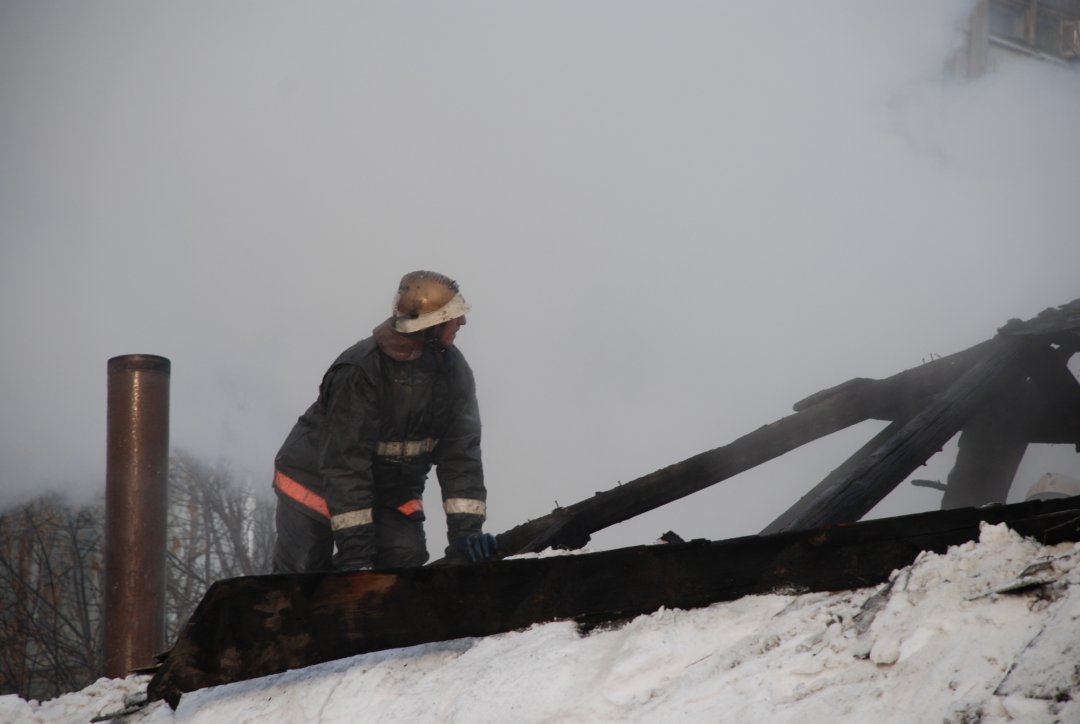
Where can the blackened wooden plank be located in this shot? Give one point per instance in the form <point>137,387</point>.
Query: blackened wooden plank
<point>990,448</point>
<point>260,625</point>
<point>1052,406</point>
<point>905,393</point>
<point>900,396</point>
<point>912,395</point>
<point>1059,324</point>
<point>877,474</point>
<point>837,477</point>
<point>571,526</point>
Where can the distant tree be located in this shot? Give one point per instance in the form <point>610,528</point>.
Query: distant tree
<point>52,571</point>
<point>218,528</point>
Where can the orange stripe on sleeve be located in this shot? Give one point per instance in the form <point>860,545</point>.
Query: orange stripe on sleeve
<point>411,506</point>
<point>300,494</point>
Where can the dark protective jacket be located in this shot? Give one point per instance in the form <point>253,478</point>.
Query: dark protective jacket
<point>388,410</point>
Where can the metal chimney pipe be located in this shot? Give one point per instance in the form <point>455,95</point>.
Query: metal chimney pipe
<point>137,465</point>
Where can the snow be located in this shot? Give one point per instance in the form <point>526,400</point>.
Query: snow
<point>943,640</point>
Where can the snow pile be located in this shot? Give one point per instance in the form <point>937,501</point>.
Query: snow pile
<point>104,695</point>
<point>988,632</point>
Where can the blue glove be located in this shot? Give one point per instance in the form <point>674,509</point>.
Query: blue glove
<point>477,546</point>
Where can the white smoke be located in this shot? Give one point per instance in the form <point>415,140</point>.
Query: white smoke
<point>672,221</point>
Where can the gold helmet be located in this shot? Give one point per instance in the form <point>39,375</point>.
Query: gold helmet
<point>426,298</point>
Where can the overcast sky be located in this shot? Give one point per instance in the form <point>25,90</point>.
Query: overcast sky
<point>673,220</point>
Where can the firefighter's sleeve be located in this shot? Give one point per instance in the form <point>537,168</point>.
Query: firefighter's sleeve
<point>345,463</point>
<point>459,467</point>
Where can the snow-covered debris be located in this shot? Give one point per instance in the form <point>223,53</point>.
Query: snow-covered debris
<point>950,638</point>
<point>104,695</point>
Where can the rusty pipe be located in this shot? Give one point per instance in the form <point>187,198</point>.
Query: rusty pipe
<point>137,464</point>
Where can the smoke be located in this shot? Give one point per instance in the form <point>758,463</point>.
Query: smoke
<point>672,222</point>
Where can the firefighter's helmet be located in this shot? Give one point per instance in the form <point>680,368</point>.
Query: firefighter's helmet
<point>426,298</point>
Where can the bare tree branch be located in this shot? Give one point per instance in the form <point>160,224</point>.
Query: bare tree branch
<point>52,572</point>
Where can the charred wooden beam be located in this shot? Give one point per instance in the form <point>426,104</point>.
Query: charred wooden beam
<point>986,463</point>
<point>904,394</point>
<point>821,414</point>
<point>826,487</point>
<point>259,625</point>
<point>901,397</point>
<point>991,447</point>
<point>1053,400</point>
<point>1042,407</point>
<point>877,473</point>
<point>570,527</point>
<point>1060,325</point>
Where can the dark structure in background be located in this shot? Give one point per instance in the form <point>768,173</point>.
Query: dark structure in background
<point>1000,395</point>
<point>1000,29</point>
<point>137,467</point>
<point>1045,28</point>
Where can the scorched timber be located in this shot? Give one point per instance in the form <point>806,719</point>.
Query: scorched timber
<point>260,625</point>
<point>927,404</point>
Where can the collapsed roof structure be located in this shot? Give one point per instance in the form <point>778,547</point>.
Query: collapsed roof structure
<point>1000,396</point>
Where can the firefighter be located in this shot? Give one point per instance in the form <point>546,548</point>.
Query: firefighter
<point>350,475</point>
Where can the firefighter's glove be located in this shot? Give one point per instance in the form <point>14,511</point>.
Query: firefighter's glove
<point>477,547</point>
<point>353,566</point>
